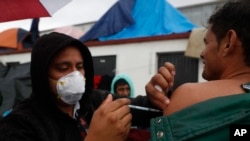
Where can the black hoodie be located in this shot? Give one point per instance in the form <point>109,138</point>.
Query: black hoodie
<point>42,54</point>
<point>38,118</point>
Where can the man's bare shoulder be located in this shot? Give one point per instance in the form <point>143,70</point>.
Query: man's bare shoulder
<point>191,93</point>
<point>183,96</point>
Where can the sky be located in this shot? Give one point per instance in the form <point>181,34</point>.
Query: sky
<point>81,11</point>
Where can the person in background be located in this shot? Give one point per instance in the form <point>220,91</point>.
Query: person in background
<point>122,85</point>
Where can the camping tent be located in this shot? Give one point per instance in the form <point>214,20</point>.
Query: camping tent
<point>18,39</point>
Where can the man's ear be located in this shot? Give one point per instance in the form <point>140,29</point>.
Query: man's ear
<point>231,42</point>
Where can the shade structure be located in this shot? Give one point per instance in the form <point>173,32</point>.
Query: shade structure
<point>24,9</point>
<point>15,39</point>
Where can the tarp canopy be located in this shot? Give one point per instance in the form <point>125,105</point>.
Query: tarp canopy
<point>138,18</point>
<point>26,9</point>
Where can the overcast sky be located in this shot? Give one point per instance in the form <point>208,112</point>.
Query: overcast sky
<point>81,11</point>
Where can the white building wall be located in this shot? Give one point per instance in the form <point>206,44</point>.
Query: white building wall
<point>139,60</point>
<point>20,57</point>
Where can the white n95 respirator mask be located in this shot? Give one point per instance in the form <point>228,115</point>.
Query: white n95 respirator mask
<point>71,87</point>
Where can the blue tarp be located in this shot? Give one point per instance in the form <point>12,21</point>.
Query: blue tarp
<point>138,18</point>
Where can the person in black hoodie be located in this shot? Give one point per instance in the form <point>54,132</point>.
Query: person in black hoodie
<point>62,81</point>
<point>61,111</point>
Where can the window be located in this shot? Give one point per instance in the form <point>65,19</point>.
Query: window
<point>186,67</point>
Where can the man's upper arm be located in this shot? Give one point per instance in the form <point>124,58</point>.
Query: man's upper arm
<point>182,97</point>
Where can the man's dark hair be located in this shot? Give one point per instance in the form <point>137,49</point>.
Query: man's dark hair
<point>233,15</point>
<point>120,82</point>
